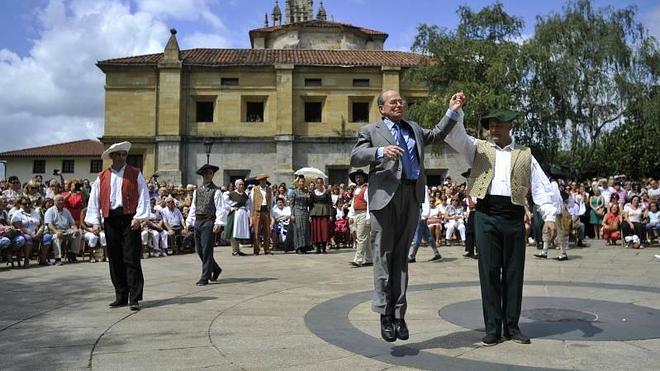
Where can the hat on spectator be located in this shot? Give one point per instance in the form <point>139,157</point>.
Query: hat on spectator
<point>117,147</point>
<point>499,115</point>
<point>261,177</point>
<point>202,169</point>
<point>352,175</point>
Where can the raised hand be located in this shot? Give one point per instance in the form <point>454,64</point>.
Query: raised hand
<point>457,101</point>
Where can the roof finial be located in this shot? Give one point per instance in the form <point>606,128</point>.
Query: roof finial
<point>321,15</point>
<point>266,20</point>
<point>173,31</point>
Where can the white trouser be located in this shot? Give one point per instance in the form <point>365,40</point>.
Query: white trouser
<point>362,231</point>
<point>93,239</point>
<point>452,225</point>
<point>158,239</point>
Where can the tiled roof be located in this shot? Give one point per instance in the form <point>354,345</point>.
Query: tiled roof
<point>319,24</point>
<point>79,148</point>
<point>255,57</point>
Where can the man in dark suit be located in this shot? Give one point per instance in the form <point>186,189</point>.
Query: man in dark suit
<point>393,148</point>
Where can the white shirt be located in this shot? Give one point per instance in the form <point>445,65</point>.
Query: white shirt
<point>30,221</point>
<point>219,209</point>
<point>93,216</point>
<point>276,212</point>
<point>172,217</point>
<point>459,140</point>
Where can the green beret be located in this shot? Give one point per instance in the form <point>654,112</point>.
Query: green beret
<point>499,115</point>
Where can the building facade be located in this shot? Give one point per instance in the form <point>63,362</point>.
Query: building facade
<point>80,159</point>
<point>296,99</point>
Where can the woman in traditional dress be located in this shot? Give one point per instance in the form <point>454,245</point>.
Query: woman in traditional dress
<point>300,200</point>
<point>237,206</point>
<point>320,216</point>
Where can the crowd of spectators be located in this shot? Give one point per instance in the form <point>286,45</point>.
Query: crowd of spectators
<point>43,221</point>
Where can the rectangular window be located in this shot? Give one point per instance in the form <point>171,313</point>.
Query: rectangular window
<point>254,112</point>
<point>360,83</point>
<point>337,175</point>
<point>360,112</point>
<point>204,111</point>
<point>229,81</point>
<point>313,82</point>
<point>68,166</point>
<point>313,111</point>
<point>95,166</point>
<point>39,167</point>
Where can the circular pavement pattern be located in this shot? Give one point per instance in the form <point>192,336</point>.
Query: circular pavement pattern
<point>545,317</point>
<point>568,319</point>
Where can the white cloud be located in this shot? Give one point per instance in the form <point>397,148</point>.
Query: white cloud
<point>55,93</point>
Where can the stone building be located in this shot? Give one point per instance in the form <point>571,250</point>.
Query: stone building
<point>79,159</point>
<point>295,99</point>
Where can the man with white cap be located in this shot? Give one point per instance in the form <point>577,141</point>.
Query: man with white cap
<point>120,196</point>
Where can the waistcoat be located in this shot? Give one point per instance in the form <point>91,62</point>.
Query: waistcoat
<point>129,191</point>
<point>483,171</point>
<point>204,199</point>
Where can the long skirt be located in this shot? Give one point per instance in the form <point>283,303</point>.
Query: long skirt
<point>320,229</point>
<point>301,235</point>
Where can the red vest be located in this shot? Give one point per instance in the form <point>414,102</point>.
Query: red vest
<point>129,191</point>
<point>359,203</point>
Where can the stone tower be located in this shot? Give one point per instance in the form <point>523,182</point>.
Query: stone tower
<point>298,11</point>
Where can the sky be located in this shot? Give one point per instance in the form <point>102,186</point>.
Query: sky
<point>52,91</point>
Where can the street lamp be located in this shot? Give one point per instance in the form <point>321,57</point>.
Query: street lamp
<point>208,144</point>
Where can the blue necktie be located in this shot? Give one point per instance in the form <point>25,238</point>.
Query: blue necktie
<point>406,157</point>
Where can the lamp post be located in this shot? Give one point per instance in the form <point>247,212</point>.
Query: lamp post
<point>208,144</point>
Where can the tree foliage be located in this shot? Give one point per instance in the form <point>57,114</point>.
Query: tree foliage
<point>585,78</point>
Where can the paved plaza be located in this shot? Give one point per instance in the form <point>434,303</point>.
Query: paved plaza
<point>600,310</point>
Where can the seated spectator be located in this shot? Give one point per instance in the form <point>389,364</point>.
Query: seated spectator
<point>54,188</point>
<point>28,221</point>
<point>33,191</point>
<point>64,230</point>
<point>611,224</point>
<point>455,220</point>
<point>633,215</point>
<point>280,217</point>
<point>13,192</point>
<point>93,237</point>
<point>435,219</point>
<point>154,233</point>
<point>652,218</point>
<point>173,222</point>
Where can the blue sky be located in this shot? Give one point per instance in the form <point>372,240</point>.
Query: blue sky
<point>53,91</point>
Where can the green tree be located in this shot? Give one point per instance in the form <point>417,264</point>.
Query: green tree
<point>585,67</point>
<point>481,57</point>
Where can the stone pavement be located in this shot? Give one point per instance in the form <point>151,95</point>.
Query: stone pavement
<point>600,310</point>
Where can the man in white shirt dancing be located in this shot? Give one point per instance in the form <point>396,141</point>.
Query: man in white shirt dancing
<point>120,196</point>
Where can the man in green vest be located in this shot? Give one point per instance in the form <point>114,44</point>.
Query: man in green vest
<point>502,174</point>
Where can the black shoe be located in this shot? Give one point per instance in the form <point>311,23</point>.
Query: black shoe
<point>367,264</point>
<point>541,255</point>
<point>216,274</point>
<point>202,283</point>
<point>239,253</point>
<point>387,330</point>
<point>562,257</point>
<point>401,329</point>
<point>518,337</point>
<point>356,265</point>
<point>411,259</point>
<point>581,244</point>
<point>436,257</point>
<point>135,306</point>
<point>118,303</point>
<point>490,340</point>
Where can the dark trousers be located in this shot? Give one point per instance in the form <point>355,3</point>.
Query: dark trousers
<point>124,250</point>
<point>501,242</point>
<point>204,243</point>
<point>469,233</point>
<point>392,230</point>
